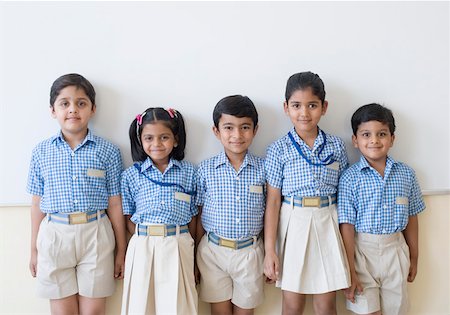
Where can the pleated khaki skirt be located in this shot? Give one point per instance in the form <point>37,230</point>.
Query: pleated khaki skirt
<point>159,276</point>
<point>311,251</point>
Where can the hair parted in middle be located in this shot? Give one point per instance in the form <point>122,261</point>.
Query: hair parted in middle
<point>303,81</point>
<point>171,118</point>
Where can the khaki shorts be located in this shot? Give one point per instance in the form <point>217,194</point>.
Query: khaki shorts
<point>382,264</point>
<point>229,274</point>
<point>75,259</point>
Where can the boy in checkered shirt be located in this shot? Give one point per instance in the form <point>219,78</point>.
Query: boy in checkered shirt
<point>231,195</point>
<point>378,202</point>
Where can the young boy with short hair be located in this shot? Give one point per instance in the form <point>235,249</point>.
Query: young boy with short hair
<point>378,202</point>
<point>231,196</point>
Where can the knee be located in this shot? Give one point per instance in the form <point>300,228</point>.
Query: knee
<point>325,308</point>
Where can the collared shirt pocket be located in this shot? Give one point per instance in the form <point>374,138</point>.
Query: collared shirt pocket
<point>401,215</point>
<point>96,183</point>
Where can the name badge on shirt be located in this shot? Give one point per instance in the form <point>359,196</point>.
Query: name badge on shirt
<point>401,201</point>
<point>182,196</point>
<point>334,166</point>
<point>256,189</point>
<point>92,172</point>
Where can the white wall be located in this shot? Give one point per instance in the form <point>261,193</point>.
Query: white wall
<point>188,55</point>
<point>429,293</point>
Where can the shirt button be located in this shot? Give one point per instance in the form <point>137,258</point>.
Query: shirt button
<point>73,154</point>
<point>238,220</point>
<point>238,198</point>
<point>236,178</point>
<point>384,207</point>
<point>163,203</point>
<point>75,201</point>
<point>318,192</point>
<point>74,177</point>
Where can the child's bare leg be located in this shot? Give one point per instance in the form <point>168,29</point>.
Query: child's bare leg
<point>242,311</point>
<point>293,303</point>
<point>92,306</point>
<point>222,308</point>
<point>64,306</point>
<point>325,304</point>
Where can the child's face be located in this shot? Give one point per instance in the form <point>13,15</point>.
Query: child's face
<point>73,110</point>
<point>236,134</point>
<point>305,110</point>
<point>373,139</point>
<point>158,142</point>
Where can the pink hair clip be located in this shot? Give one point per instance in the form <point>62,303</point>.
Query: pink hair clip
<point>172,112</point>
<point>139,119</point>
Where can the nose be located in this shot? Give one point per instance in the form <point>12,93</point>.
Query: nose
<point>73,108</point>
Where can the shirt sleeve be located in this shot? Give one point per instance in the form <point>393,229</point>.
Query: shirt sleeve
<point>201,186</point>
<point>35,184</point>
<point>346,204</point>
<point>128,203</point>
<point>343,158</point>
<point>273,167</point>
<point>114,169</point>
<point>193,205</point>
<point>416,203</point>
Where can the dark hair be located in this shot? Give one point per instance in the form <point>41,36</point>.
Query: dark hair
<point>171,118</point>
<point>72,79</point>
<point>372,112</point>
<point>235,105</point>
<point>304,80</point>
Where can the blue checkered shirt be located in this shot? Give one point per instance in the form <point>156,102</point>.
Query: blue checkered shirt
<point>288,171</point>
<point>148,202</point>
<point>233,201</point>
<point>76,180</point>
<point>379,205</point>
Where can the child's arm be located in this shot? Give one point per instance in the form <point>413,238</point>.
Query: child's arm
<point>131,227</point>
<point>193,228</point>
<point>36,218</point>
<point>271,217</point>
<point>118,223</point>
<point>411,234</point>
<point>348,236</point>
<point>199,232</point>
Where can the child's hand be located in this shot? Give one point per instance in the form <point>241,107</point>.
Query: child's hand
<point>33,263</point>
<point>412,270</point>
<point>119,265</point>
<point>271,267</point>
<point>354,289</point>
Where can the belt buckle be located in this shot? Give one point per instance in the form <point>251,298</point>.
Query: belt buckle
<point>227,243</point>
<point>78,218</point>
<point>311,202</point>
<point>156,230</point>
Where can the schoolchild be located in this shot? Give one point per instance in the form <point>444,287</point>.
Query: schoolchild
<point>74,180</point>
<point>158,202</point>
<point>231,196</point>
<point>303,246</point>
<point>379,199</point>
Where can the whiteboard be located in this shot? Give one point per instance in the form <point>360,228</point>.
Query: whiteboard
<point>188,55</point>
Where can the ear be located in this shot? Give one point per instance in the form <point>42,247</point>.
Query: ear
<point>392,140</point>
<point>355,143</point>
<point>52,111</point>
<point>93,110</point>
<point>255,130</point>
<point>216,132</point>
<point>285,107</point>
<point>175,143</point>
<point>324,107</point>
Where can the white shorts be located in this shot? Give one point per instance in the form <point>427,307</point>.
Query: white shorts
<point>230,274</point>
<point>75,259</point>
<point>159,275</point>
<point>311,251</point>
<point>382,264</point>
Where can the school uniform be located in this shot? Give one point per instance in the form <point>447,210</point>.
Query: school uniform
<point>380,208</point>
<point>159,264</point>
<point>309,246</point>
<point>230,254</point>
<point>75,242</point>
